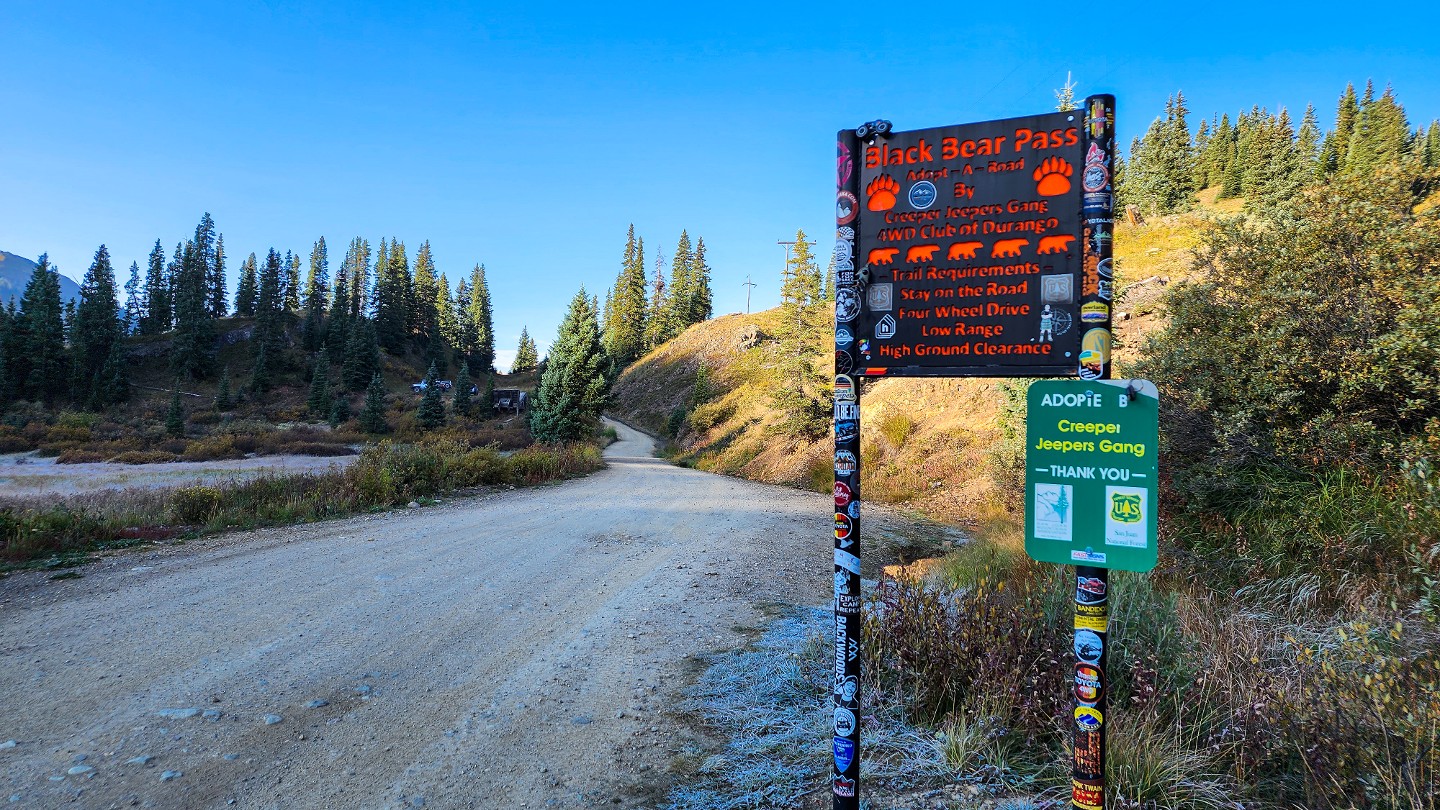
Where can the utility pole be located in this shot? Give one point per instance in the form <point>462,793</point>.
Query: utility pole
<point>750,285</point>
<point>789,244</point>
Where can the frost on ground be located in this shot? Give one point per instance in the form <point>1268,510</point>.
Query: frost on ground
<point>772,703</point>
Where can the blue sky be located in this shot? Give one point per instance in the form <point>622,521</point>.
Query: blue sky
<point>529,138</point>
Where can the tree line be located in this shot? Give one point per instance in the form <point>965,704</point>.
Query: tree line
<point>1263,157</point>
<point>595,343</point>
<point>73,353</point>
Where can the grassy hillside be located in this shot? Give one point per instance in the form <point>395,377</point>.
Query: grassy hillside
<point>936,446</point>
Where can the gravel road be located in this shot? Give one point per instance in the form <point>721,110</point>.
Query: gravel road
<point>521,649</point>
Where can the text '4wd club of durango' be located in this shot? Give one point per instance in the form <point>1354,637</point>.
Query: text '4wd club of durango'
<point>968,259</point>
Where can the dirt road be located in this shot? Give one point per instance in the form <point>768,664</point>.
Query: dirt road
<point>524,649</point>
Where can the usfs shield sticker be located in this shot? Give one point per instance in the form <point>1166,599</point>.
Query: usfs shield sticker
<point>1125,523</point>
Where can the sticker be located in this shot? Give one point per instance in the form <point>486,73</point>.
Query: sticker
<point>847,430</point>
<point>844,721</point>
<point>864,348</point>
<point>1087,556</point>
<point>1057,289</point>
<point>847,689</point>
<point>1125,523</point>
<point>848,604</point>
<point>1100,241</point>
<point>846,207</point>
<point>1094,353</point>
<point>844,462</point>
<point>844,526</point>
<point>1089,759</point>
<point>853,510</point>
<point>1094,312</point>
<point>880,193</point>
<point>844,754</point>
<point>880,297</point>
<point>1093,611</point>
<point>847,410</point>
<point>844,363</point>
<point>1094,154</point>
<point>1054,516</point>
<point>1047,325</point>
<point>1096,623</point>
<point>1090,590</point>
<point>846,278</point>
<point>847,305</point>
<point>1106,268</point>
<point>844,255</point>
<point>844,164</point>
<point>1096,202</point>
<point>1103,289</point>
<point>843,787</point>
<point>843,336</point>
<point>885,328</point>
<point>922,195</point>
<point>843,494</point>
<point>1088,718</point>
<point>1089,683</point>
<point>842,583</point>
<point>1089,646</point>
<point>844,388</point>
<point>1087,794</point>
<point>847,561</point>
<point>1098,117</point>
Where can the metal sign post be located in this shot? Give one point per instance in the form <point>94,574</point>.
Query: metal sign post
<point>845,776</point>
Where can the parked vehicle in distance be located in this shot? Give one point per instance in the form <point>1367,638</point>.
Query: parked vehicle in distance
<point>511,399</point>
<point>443,385</point>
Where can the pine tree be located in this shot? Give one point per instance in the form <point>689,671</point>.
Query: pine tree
<point>96,330</point>
<point>626,317</point>
<point>462,400</point>
<point>482,321</point>
<point>218,285</point>
<point>224,400</point>
<point>445,314</point>
<point>113,384</point>
<point>38,367</point>
<point>317,293</point>
<point>7,349</point>
<point>372,416</point>
<point>702,305</point>
<point>270,303</point>
<point>134,302</point>
<point>260,375</point>
<point>424,316</point>
<point>487,399</point>
<point>360,278</point>
<point>340,411</point>
<point>430,413</point>
<point>175,416</point>
<point>1430,154</point>
<point>247,295</point>
<point>1382,134</point>
<point>193,348</point>
<point>209,263</point>
<point>526,358</point>
<point>362,354</point>
<point>158,310</point>
<point>391,297</point>
<point>318,404</point>
<point>1337,143</point>
<point>800,288</point>
<point>573,390</point>
<point>682,292</point>
<point>1307,145</point>
<point>1202,166</point>
<point>292,282</point>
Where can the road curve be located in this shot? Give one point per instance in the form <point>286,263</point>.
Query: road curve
<point>520,649</point>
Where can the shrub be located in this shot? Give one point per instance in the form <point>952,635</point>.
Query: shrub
<point>143,457</point>
<point>196,504</point>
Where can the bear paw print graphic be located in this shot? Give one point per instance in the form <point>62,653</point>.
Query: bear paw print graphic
<point>880,194</point>
<point>1052,176</point>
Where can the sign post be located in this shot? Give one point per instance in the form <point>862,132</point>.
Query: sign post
<point>973,250</point>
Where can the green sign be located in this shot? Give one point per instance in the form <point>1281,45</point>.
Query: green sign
<point>1090,473</point>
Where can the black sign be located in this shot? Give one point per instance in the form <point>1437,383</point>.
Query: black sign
<point>981,249</point>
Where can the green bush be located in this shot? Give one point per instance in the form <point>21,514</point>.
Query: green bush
<point>197,504</point>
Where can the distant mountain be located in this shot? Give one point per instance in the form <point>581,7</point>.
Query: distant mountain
<point>15,272</point>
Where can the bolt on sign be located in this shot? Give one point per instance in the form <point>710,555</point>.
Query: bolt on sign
<point>1091,473</point>
<point>982,249</point>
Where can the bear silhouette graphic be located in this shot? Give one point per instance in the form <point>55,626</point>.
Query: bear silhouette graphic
<point>964,250</point>
<point>882,255</point>
<point>1055,244</point>
<point>921,253</point>
<point>1007,247</point>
